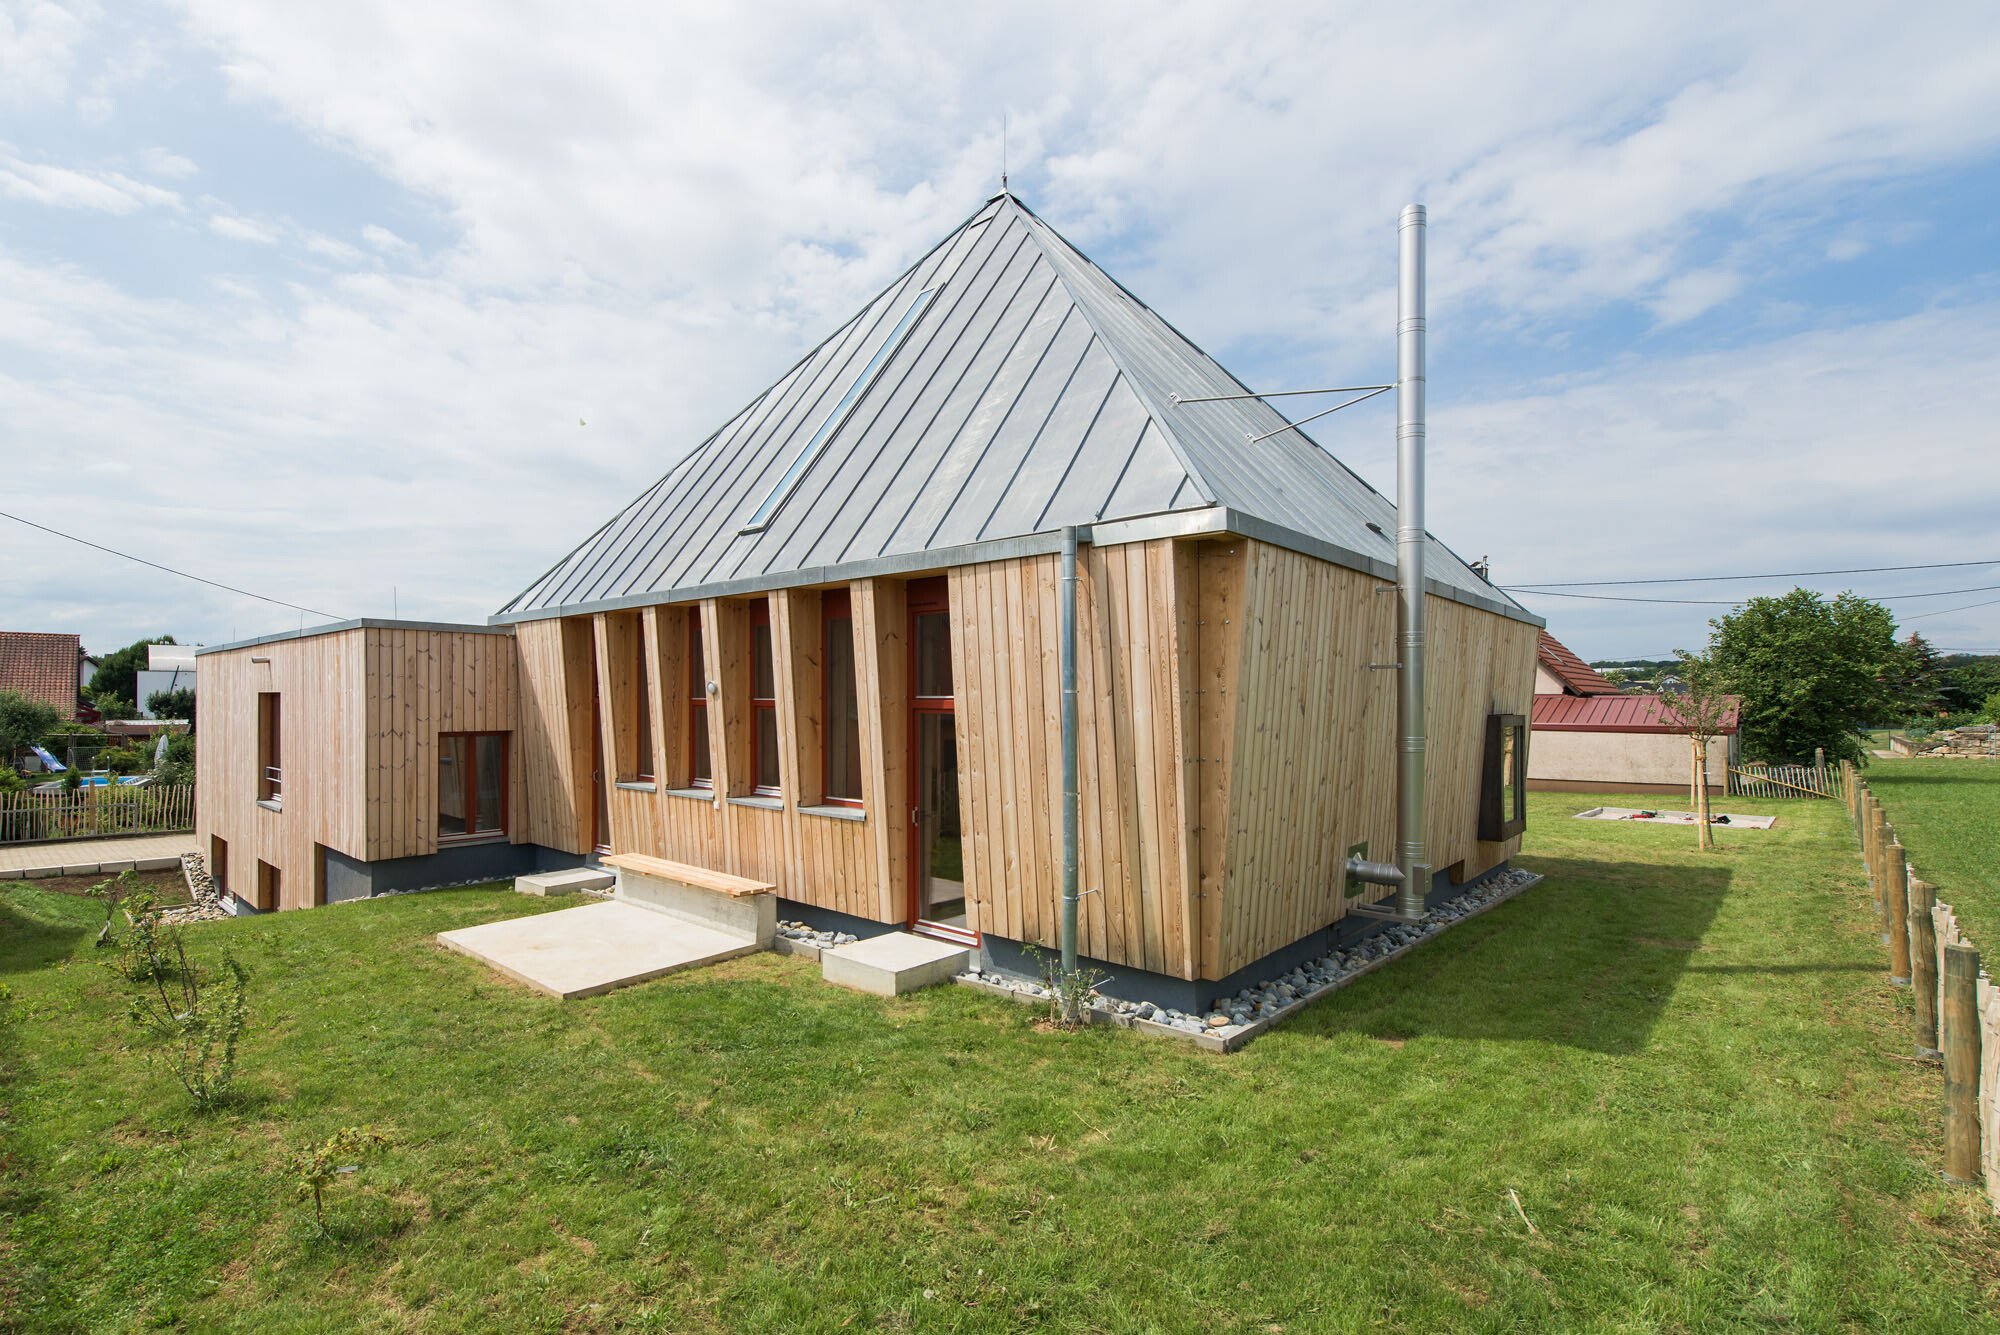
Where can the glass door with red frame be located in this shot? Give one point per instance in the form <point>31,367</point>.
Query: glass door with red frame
<point>937,862</point>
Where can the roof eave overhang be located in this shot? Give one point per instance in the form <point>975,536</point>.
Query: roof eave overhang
<point>1206,521</point>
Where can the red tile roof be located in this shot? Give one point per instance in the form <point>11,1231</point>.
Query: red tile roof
<point>1606,713</point>
<point>42,666</point>
<point>1577,676</point>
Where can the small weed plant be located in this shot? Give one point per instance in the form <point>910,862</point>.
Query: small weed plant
<point>194,1021</point>
<point>1070,990</point>
<point>337,1156</point>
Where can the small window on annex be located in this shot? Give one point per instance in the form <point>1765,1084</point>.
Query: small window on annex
<point>766,777</point>
<point>472,784</point>
<point>842,705</point>
<point>270,749</point>
<point>1503,790</point>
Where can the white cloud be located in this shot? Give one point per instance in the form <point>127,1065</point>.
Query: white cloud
<point>242,229</point>
<point>38,42</point>
<point>158,161</point>
<point>384,240</point>
<point>1696,292</point>
<point>1837,448</point>
<point>72,188</point>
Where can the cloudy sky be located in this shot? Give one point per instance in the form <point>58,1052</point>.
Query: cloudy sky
<point>380,305</point>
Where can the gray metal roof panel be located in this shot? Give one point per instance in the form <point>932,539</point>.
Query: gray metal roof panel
<point>1034,391</point>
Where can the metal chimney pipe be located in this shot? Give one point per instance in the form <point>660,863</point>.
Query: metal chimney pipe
<point>1412,857</point>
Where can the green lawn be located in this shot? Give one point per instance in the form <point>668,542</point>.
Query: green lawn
<point>1687,1068</point>
<point>1947,813</point>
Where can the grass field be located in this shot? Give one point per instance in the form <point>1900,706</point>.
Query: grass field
<point>1947,813</point>
<point>1686,1070</point>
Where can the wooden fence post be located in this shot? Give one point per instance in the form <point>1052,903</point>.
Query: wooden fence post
<point>1961,1063</point>
<point>1924,965</point>
<point>1885,835</point>
<point>1897,896</point>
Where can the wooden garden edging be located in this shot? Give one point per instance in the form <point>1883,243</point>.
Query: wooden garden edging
<point>1957,1012</point>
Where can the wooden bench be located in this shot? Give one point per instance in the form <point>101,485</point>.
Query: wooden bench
<point>698,894</point>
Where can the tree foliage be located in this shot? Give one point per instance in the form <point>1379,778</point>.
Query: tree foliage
<point>117,675</point>
<point>23,722</point>
<point>177,703</point>
<point>1810,671</point>
<point>1699,712</point>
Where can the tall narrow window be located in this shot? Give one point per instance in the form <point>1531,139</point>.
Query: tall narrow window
<point>842,706</point>
<point>699,770</point>
<point>269,886</point>
<point>1503,796</point>
<point>643,763</point>
<point>765,776</point>
<point>472,784</point>
<point>270,753</point>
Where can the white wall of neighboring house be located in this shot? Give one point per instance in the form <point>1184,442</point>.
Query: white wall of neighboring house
<point>169,667</point>
<point>1646,761</point>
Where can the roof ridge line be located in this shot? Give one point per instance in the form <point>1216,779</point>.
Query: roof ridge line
<point>1152,406</point>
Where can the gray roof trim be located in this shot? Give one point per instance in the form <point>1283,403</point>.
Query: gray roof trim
<point>357,623</point>
<point>1170,524</point>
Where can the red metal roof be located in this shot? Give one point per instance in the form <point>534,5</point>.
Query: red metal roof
<point>1606,713</point>
<point>41,665</point>
<point>1577,676</point>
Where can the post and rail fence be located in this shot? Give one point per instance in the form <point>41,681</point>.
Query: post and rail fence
<point>1956,1018</point>
<point>93,812</point>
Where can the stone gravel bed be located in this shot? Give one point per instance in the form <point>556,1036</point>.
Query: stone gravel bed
<point>205,899</point>
<point>1233,1020</point>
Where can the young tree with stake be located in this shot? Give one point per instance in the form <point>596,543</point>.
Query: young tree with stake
<point>1701,712</point>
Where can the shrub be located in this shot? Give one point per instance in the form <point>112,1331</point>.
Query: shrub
<point>1990,711</point>
<point>1070,990</point>
<point>195,1030</point>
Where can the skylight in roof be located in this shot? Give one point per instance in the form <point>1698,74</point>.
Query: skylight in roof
<point>803,464</point>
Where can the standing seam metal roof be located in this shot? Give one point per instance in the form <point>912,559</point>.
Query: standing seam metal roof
<point>1034,392</point>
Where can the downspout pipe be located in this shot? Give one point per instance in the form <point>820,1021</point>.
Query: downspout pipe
<point>1412,855</point>
<point>1069,782</point>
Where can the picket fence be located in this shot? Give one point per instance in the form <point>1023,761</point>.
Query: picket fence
<point>90,813</point>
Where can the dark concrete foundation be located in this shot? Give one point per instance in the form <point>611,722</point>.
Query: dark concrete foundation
<point>462,864</point>
<point>998,954</point>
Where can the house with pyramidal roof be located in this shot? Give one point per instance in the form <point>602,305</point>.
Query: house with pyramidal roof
<point>820,656</point>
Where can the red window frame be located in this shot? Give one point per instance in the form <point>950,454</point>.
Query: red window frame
<point>471,781</point>
<point>700,758</point>
<point>834,606</point>
<point>645,771</point>
<point>764,708</point>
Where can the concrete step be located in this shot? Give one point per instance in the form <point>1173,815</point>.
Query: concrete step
<point>564,882</point>
<point>894,963</point>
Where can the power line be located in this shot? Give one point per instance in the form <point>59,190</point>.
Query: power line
<point>1781,574</point>
<point>1949,610</point>
<point>1738,602</point>
<point>231,588</point>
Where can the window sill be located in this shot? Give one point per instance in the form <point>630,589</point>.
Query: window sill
<point>483,837</point>
<point>270,805</point>
<point>760,801</point>
<point>637,785</point>
<point>836,812</point>
<point>692,794</point>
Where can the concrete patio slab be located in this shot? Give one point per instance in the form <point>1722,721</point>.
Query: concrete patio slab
<point>582,952</point>
<point>894,963</point>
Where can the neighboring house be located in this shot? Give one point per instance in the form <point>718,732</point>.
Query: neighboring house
<point>44,666</point>
<point>169,667</point>
<point>1588,736</point>
<point>822,652</point>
